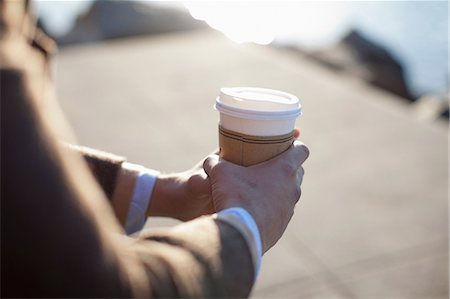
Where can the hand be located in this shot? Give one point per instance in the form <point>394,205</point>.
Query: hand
<point>268,191</point>
<point>184,196</point>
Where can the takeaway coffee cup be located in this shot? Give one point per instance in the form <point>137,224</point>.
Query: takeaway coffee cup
<point>256,124</point>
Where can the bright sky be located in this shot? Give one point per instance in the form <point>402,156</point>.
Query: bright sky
<point>60,15</point>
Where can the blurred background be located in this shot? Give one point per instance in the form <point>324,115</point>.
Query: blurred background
<point>139,78</point>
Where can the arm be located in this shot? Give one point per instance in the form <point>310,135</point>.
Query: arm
<point>63,241</point>
<point>184,196</point>
<point>141,192</point>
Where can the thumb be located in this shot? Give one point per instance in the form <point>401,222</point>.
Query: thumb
<point>209,163</point>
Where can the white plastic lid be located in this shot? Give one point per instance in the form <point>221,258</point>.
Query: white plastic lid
<point>257,103</point>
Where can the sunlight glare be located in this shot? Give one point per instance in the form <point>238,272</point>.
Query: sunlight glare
<point>239,21</point>
<point>263,22</point>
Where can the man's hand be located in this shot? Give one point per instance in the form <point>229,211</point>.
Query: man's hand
<point>184,196</point>
<point>268,191</point>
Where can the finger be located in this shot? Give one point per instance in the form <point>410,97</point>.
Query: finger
<point>201,172</point>
<point>199,165</point>
<point>294,156</point>
<point>299,195</point>
<point>296,133</point>
<point>300,174</point>
<point>209,163</point>
<point>298,153</point>
<point>199,186</point>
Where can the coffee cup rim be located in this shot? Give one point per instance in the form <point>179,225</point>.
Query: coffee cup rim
<point>255,114</point>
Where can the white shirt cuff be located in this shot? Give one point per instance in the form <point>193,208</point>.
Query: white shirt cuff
<point>250,223</point>
<point>141,197</point>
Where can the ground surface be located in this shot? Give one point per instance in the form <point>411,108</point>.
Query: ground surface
<point>373,218</point>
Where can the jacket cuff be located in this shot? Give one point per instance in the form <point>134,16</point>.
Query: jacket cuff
<point>140,199</point>
<point>244,223</point>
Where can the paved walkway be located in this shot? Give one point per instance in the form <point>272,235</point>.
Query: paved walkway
<point>373,219</point>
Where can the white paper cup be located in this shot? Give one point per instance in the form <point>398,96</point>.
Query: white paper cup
<point>255,124</point>
<point>257,111</point>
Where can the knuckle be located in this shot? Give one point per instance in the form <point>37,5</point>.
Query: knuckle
<point>300,175</point>
<point>294,194</point>
<point>288,169</point>
<point>303,151</point>
<point>209,166</point>
<point>297,193</point>
<point>221,168</point>
<point>291,214</point>
<point>302,171</point>
<point>192,182</point>
<point>207,162</point>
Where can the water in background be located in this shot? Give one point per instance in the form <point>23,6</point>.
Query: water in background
<point>415,32</point>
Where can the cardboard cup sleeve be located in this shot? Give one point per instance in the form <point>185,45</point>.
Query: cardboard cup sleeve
<point>247,150</point>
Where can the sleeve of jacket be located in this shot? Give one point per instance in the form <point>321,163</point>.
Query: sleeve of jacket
<point>104,166</point>
<point>204,258</point>
<point>62,239</point>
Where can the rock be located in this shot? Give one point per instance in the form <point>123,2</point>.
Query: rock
<point>431,107</point>
<point>373,63</point>
<point>115,19</point>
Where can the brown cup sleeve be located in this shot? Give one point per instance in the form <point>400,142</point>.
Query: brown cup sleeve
<point>247,150</point>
